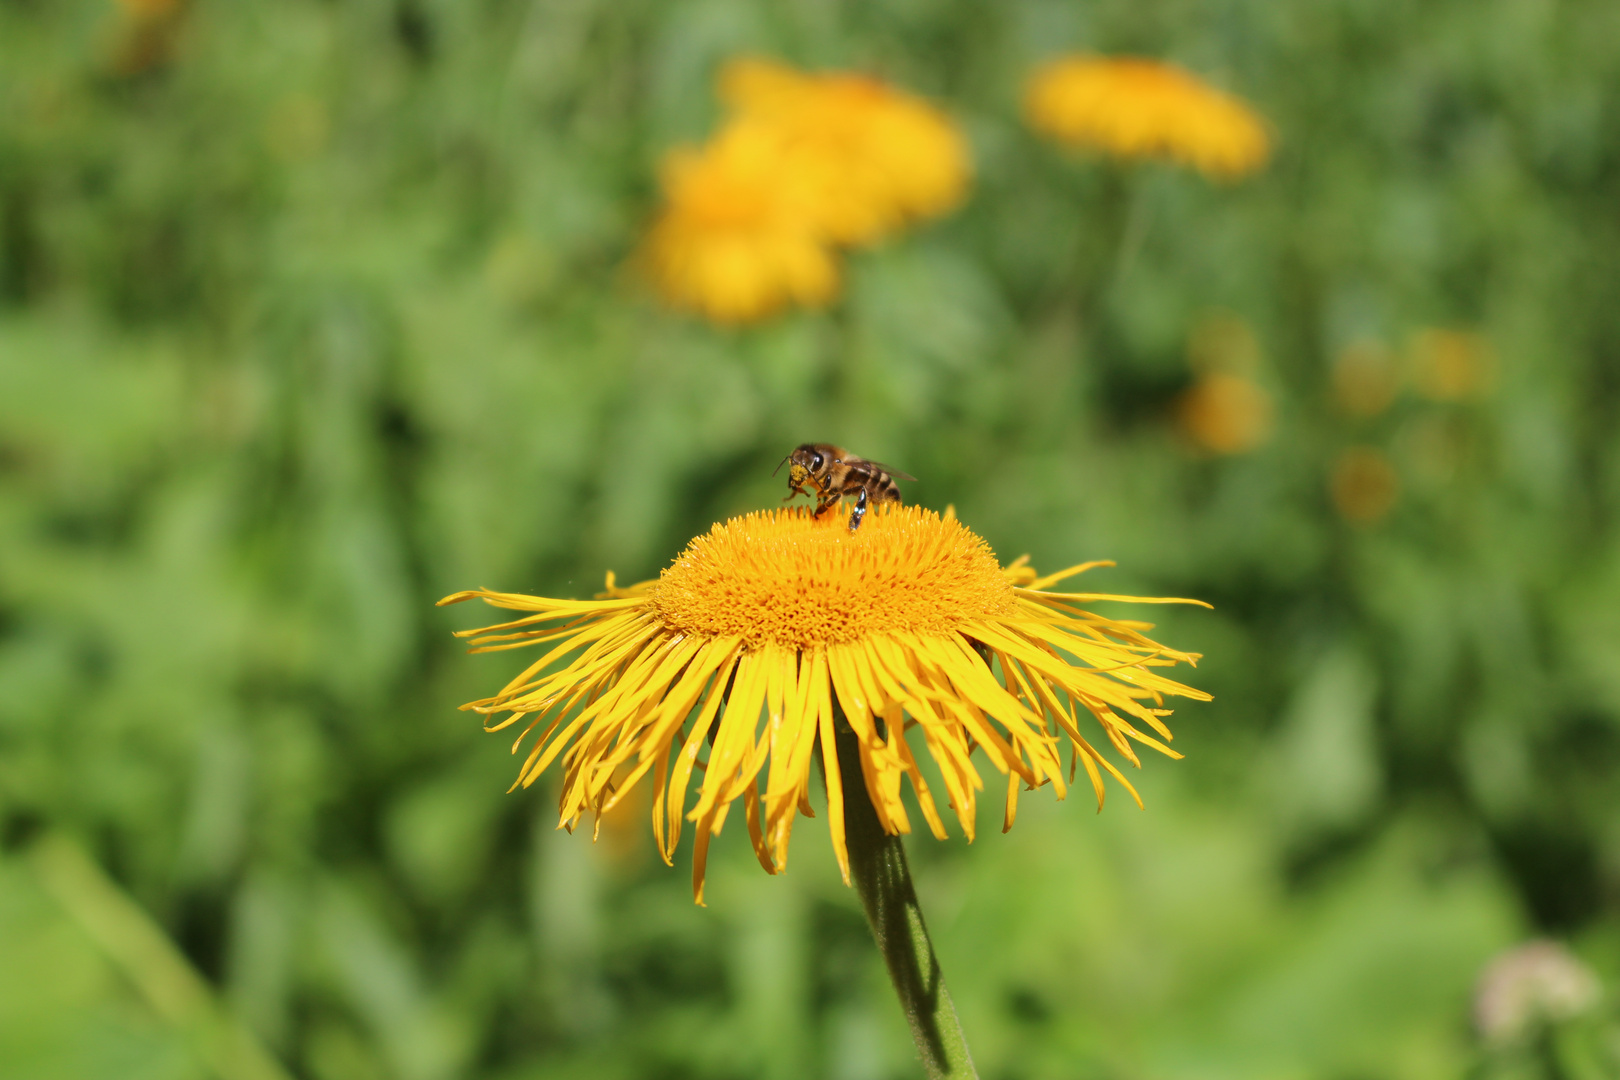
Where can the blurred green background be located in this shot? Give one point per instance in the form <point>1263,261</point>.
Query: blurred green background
<point>313,312</point>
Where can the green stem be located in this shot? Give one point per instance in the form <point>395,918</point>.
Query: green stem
<point>140,948</point>
<point>877,866</point>
<point>1138,206</point>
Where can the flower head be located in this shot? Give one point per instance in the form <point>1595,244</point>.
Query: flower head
<point>1134,108</point>
<point>872,157</point>
<point>1530,985</point>
<point>736,242</point>
<point>772,628</point>
<point>149,9</point>
<point>805,165</point>
<point>1364,485</point>
<point>1365,379</point>
<point>1225,414</point>
<point>1452,365</point>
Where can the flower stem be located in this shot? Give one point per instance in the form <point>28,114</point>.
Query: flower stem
<point>877,866</point>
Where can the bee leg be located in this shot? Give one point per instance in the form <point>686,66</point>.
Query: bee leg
<point>860,511</point>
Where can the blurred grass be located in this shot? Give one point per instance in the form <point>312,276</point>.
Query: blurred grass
<point>312,313</point>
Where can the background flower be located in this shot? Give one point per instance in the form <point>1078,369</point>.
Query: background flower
<point>804,163</point>
<point>1226,414</point>
<point>1364,484</point>
<point>1529,986</point>
<point>738,239</point>
<point>1137,108</point>
<point>875,157</point>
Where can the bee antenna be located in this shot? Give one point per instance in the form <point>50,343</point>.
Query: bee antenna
<point>779,465</point>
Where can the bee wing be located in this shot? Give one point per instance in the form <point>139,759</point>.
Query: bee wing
<point>893,472</point>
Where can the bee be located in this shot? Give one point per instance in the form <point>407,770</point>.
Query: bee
<point>835,472</point>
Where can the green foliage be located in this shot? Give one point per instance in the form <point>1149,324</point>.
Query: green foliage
<point>313,312</point>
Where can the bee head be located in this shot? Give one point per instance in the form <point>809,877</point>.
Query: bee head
<point>804,465</point>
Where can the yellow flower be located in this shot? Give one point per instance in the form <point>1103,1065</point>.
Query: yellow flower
<point>149,9</point>
<point>1452,365</point>
<point>773,628</point>
<point>736,242</point>
<point>1225,414</point>
<point>1365,379</point>
<point>1364,485</point>
<point>1225,411</point>
<point>806,163</point>
<point>1135,108</point>
<point>870,157</point>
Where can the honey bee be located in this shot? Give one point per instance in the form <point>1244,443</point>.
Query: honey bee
<point>835,472</point>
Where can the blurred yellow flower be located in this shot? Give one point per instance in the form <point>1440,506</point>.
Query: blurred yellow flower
<point>871,157</point>
<point>619,834</point>
<point>146,35</point>
<point>1451,365</point>
<point>805,164</point>
<point>1225,414</point>
<point>150,9</point>
<point>1365,379</point>
<point>773,629</point>
<point>1134,108</point>
<point>1221,341</point>
<point>736,241</point>
<point>1364,485</point>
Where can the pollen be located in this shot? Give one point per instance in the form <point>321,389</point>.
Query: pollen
<point>784,577</point>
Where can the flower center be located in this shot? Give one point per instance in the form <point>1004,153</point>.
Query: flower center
<point>782,576</point>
